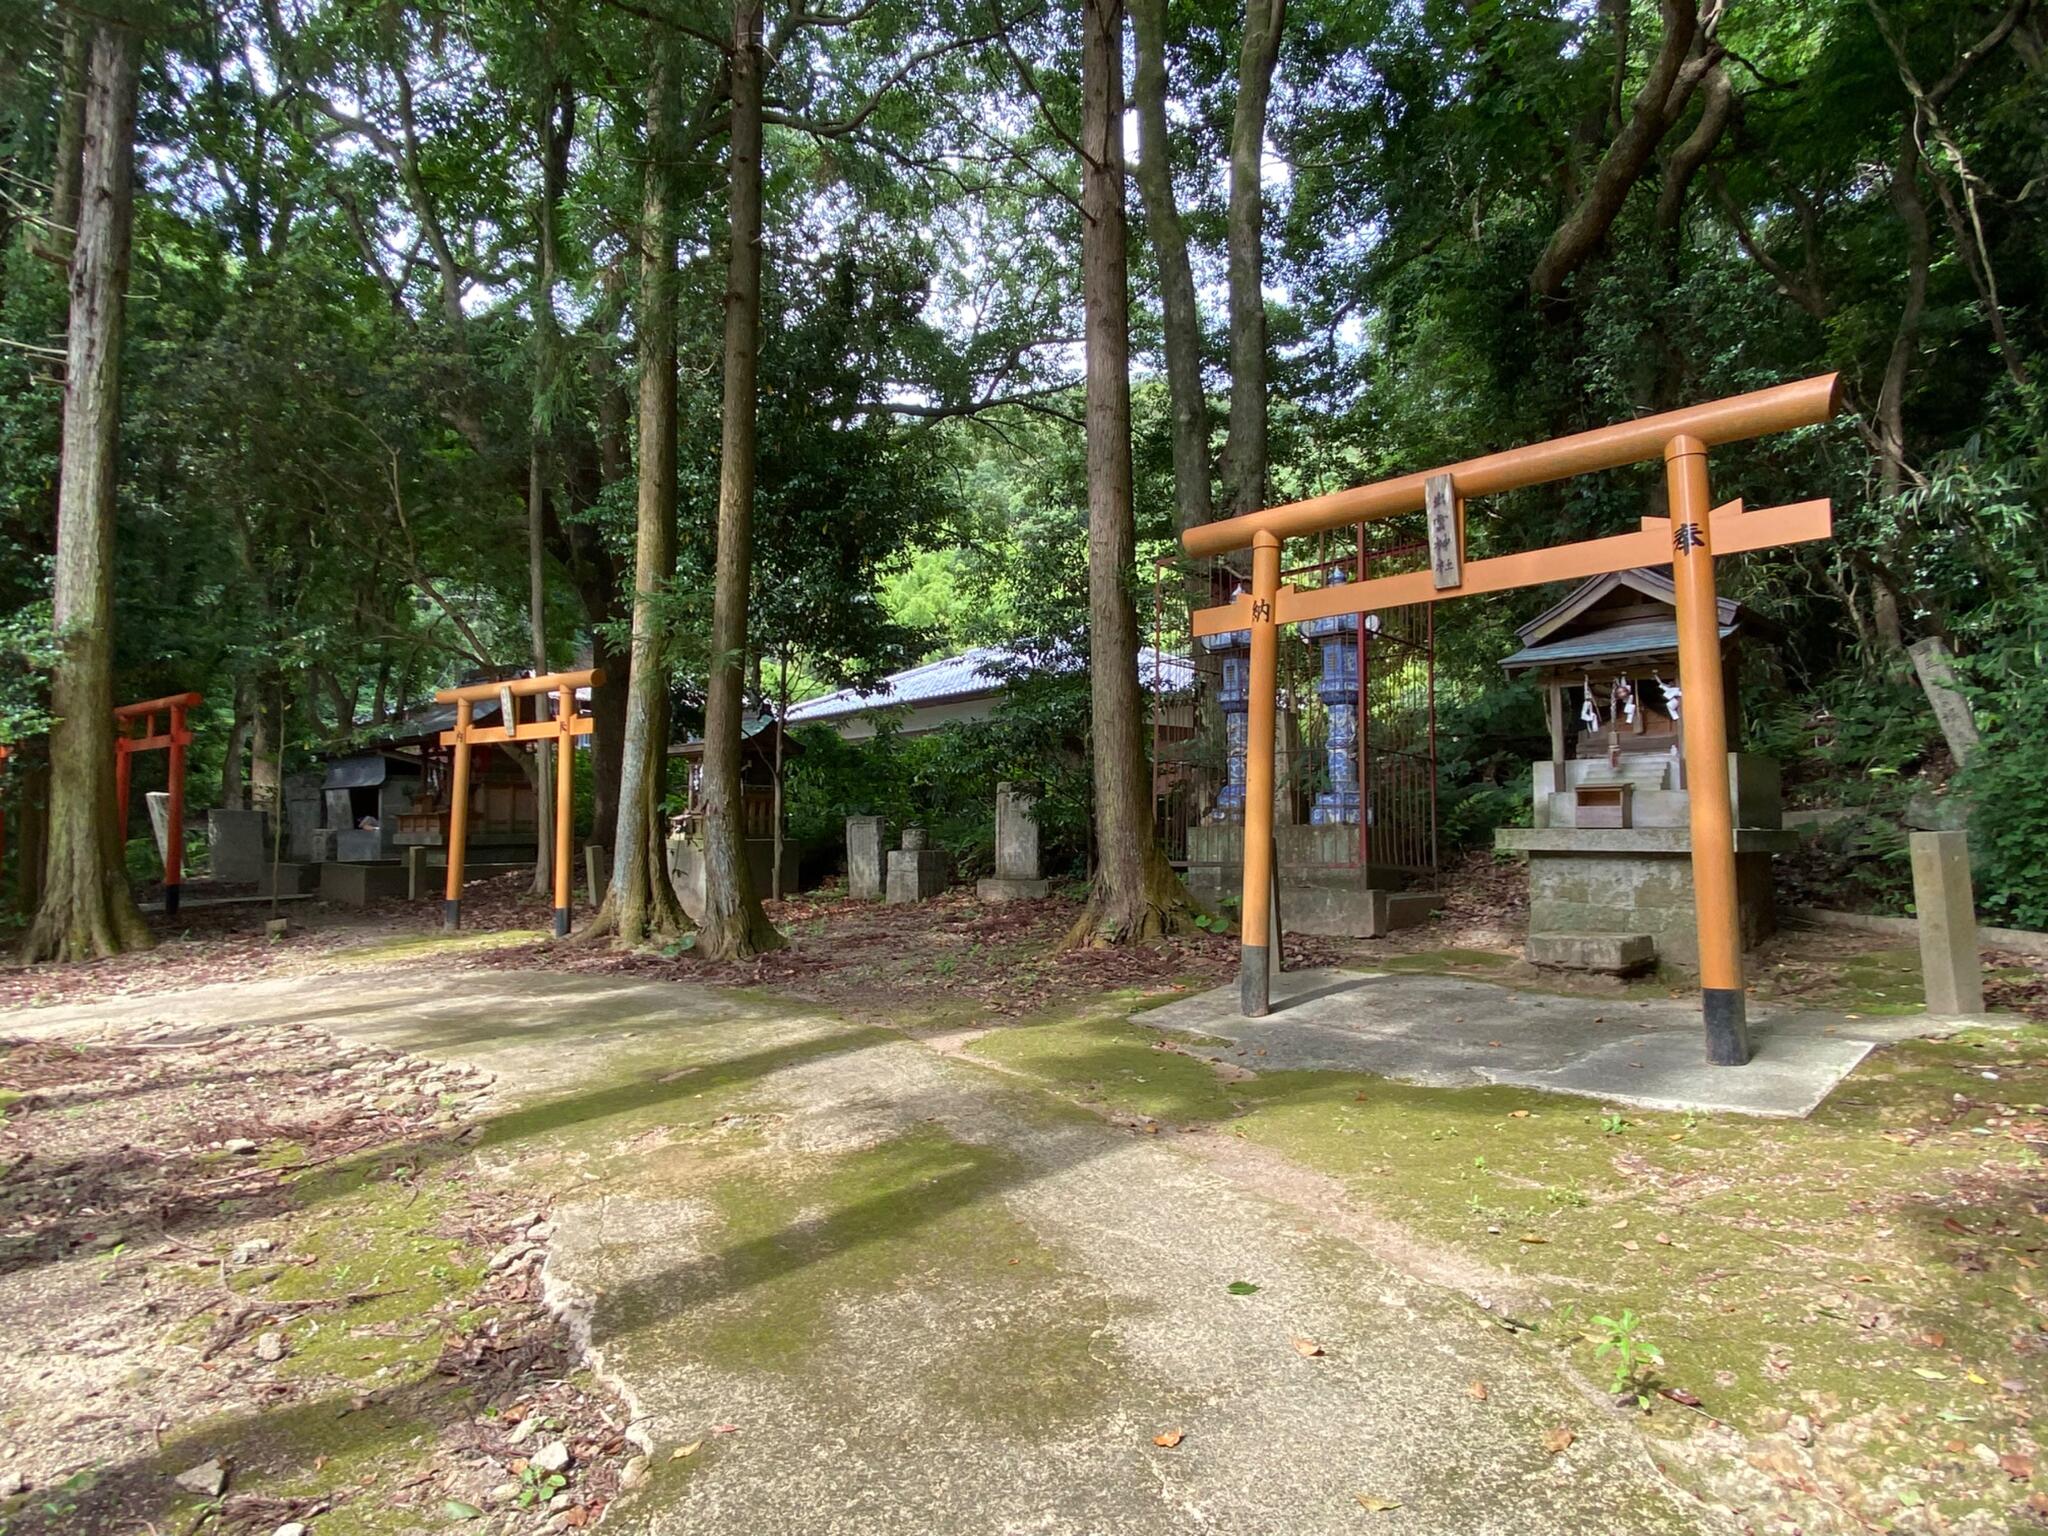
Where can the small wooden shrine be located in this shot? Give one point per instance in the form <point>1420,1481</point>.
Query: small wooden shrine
<point>1610,877</point>
<point>1607,659</point>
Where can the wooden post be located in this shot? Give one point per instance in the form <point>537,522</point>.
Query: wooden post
<point>122,769</point>
<point>565,801</point>
<point>174,839</point>
<point>1706,753</point>
<point>458,819</point>
<point>1254,969</point>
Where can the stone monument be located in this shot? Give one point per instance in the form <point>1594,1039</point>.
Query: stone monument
<point>1016,877</point>
<point>159,803</point>
<point>916,873</point>
<point>866,858</point>
<point>1948,923</point>
<point>239,845</point>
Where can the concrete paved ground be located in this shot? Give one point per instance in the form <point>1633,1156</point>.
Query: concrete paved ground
<point>882,1290</point>
<point>1445,1031</point>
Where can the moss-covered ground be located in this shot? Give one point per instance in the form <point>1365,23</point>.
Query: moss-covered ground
<point>1879,1264</point>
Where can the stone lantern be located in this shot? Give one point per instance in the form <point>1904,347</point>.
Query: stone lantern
<point>1234,698</point>
<point>1337,635</point>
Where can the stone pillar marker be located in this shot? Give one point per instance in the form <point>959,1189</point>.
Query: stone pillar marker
<point>866,859</point>
<point>597,873</point>
<point>916,873</point>
<point>239,845</point>
<point>1016,877</point>
<point>1947,911</point>
<point>418,882</point>
<point>159,803</point>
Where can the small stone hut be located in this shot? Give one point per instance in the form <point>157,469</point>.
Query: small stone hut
<point>1610,868</point>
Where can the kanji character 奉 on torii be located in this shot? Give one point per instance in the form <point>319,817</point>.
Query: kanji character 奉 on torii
<point>1687,540</point>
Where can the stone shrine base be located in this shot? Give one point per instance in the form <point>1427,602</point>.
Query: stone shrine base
<point>1623,884</point>
<point>1322,889</point>
<point>997,889</point>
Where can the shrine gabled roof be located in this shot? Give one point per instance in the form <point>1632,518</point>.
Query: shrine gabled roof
<point>1645,639</point>
<point>1654,585</point>
<point>978,673</point>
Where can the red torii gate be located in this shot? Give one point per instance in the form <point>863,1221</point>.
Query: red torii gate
<point>135,730</point>
<point>1688,540</point>
<point>563,730</point>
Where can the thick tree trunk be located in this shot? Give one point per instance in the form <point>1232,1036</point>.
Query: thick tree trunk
<point>536,625</point>
<point>1136,894</point>
<point>642,902</point>
<point>234,784</point>
<point>266,736</point>
<point>556,129</point>
<point>1193,497</point>
<point>1674,73</point>
<point>734,925</point>
<point>1244,450</point>
<point>87,909</point>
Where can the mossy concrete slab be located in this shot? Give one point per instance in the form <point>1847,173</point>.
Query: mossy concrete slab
<point>928,1300</point>
<point>881,1290</point>
<point>1451,1031</point>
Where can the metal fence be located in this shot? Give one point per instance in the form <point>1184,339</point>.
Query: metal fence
<point>1355,751</point>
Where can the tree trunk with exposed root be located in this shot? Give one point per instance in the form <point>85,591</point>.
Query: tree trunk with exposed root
<point>1136,894</point>
<point>87,910</point>
<point>735,926</point>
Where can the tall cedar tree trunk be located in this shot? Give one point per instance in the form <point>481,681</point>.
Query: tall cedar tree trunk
<point>734,925</point>
<point>536,624</point>
<point>1136,893</point>
<point>234,784</point>
<point>1244,451</point>
<point>642,901</point>
<point>1192,494</point>
<point>87,909</point>
<point>557,124</point>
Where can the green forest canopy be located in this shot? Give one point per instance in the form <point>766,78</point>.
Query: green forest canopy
<point>348,362</point>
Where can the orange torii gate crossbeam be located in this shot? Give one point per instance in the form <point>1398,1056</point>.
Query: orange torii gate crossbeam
<point>564,728</point>
<point>1687,540</point>
<point>135,730</point>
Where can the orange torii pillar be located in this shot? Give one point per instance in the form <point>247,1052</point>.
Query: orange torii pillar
<point>1687,540</point>
<point>174,738</point>
<point>566,726</point>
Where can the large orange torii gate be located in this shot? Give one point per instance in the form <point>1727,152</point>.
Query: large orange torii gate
<point>563,729</point>
<point>1687,540</point>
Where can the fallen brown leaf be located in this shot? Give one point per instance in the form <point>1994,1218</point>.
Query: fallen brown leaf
<point>1308,1349</point>
<point>1518,1114</point>
<point>685,1450</point>
<point>1558,1439</point>
<point>1376,1504</point>
<point>2019,1468</point>
<point>1168,1439</point>
<point>1477,1392</point>
<point>1532,1237</point>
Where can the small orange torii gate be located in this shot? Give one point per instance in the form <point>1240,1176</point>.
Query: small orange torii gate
<point>564,728</point>
<point>1687,540</point>
<point>135,730</point>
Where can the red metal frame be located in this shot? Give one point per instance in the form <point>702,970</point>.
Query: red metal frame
<point>135,730</point>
